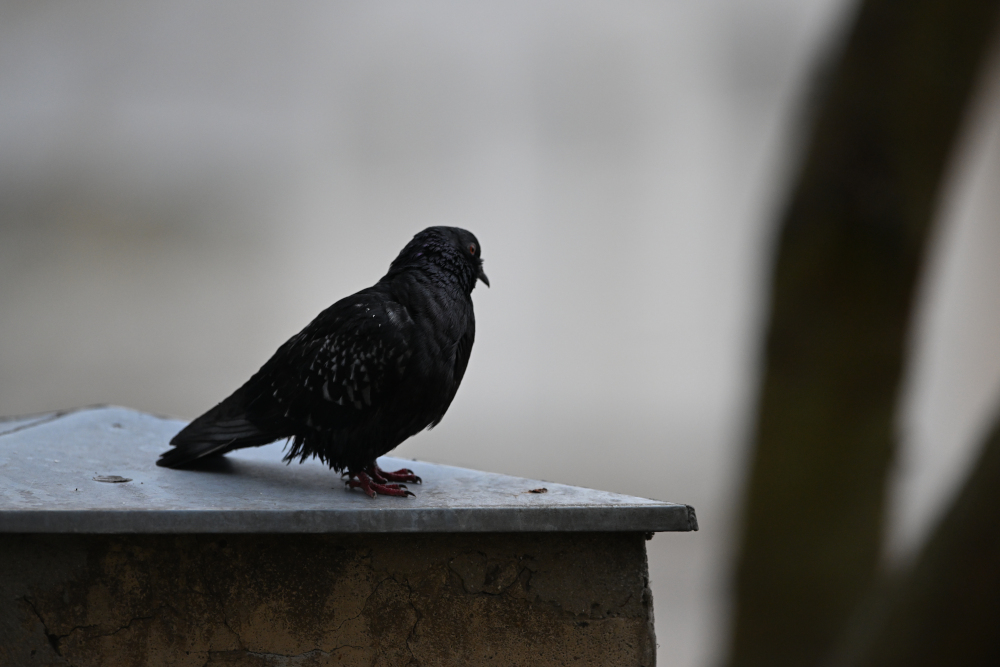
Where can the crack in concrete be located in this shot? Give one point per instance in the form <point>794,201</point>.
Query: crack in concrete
<point>239,640</point>
<point>413,630</point>
<point>53,638</point>
<point>522,568</point>
<point>405,583</point>
<point>362,606</point>
<point>56,640</point>
<point>129,624</point>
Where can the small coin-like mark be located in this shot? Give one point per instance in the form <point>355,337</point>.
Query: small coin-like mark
<point>114,479</point>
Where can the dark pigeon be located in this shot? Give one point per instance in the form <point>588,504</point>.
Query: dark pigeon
<point>370,371</point>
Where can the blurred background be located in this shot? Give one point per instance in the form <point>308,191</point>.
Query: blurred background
<point>184,185</point>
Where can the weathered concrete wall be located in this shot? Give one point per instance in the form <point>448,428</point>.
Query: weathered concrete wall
<point>310,600</point>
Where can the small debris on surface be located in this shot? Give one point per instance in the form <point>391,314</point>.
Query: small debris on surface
<point>114,479</point>
<point>541,490</point>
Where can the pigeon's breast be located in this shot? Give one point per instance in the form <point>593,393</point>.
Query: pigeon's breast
<point>440,323</point>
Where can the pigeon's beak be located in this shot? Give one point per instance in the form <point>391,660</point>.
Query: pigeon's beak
<point>482,276</point>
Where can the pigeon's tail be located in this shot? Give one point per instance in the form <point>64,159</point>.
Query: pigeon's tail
<point>222,429</point>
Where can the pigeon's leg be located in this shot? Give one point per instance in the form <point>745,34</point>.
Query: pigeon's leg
<point>401,475</point>
<point>370,487</point>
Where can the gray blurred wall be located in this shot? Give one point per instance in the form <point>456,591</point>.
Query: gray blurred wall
<point>185,185</point>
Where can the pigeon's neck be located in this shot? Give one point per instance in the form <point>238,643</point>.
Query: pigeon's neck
<point>435,272</point>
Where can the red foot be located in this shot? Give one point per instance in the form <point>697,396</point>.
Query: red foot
<point>371,488</point>
<point>401,475</point>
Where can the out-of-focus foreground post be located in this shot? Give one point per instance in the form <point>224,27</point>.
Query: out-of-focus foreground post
<point>850,248</point>
<point>945,609</point>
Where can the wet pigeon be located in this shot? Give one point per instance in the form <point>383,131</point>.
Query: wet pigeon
<point>370,371</point>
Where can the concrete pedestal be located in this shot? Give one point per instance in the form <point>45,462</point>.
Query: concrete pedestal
<point>251,562</point>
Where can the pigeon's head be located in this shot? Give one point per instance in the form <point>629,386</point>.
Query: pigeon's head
<point>449,250</point>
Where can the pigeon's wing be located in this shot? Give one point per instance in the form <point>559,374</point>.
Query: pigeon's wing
<point>222,429</point>
<point>339,369</point>
<point>328,377</point>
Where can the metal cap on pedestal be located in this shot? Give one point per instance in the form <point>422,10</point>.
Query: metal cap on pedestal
<point>93,471</point>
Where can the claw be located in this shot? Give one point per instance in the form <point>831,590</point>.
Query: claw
<point>401,475</point>
<point>373,487</point>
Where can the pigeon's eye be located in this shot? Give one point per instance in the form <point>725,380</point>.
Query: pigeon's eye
<point>472,248</point>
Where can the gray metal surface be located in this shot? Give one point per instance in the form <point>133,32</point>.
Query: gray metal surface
<point>50,466</point>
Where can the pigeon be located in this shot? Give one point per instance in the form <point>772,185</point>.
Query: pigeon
<point>370,371</point>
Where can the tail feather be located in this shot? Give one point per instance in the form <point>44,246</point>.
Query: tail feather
<point>222,429</point>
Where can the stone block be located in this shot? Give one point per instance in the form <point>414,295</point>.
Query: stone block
<point>250,562</point>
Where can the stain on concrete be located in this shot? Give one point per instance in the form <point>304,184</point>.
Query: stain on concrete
<point>312,600</point>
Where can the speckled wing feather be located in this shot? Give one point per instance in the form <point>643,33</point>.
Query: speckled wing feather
<point>323,386</point>
<point>337,376</point>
